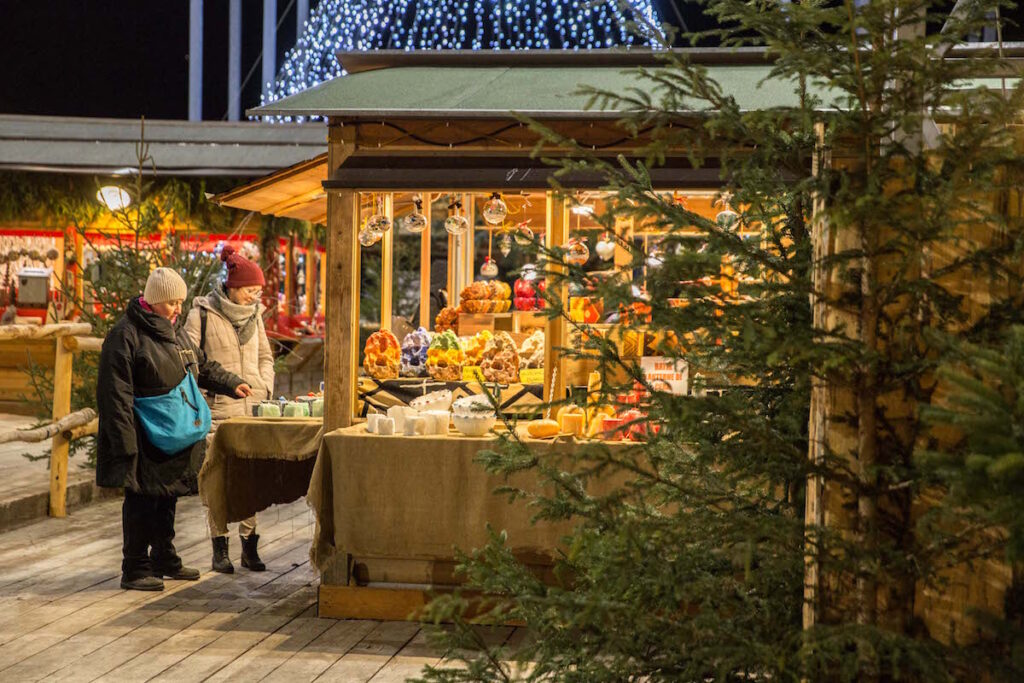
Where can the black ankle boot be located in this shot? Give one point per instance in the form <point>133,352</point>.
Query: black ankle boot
<point>250,558</point>
<point>221,561</point>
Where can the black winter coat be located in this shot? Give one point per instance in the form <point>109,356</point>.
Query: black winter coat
<point>141,356</point>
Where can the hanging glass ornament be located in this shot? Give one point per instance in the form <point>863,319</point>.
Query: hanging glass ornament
<point>368,237</point>
<point>415,222</point>
<point>523,234</point>
<point>495,210</point>
<point>489,268</point>
<point>505,244</point>
<point>605,247</point>
<point>726,218</point>
<point>456,224</point>
<point>576,251</point>
<point>379,222</point>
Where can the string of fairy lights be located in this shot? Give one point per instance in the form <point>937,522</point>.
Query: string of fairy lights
<point>455,24</point>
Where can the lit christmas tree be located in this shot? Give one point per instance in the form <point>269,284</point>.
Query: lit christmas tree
<point>454,24</point>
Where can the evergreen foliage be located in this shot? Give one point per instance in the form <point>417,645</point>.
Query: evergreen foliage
<point>871,216</point>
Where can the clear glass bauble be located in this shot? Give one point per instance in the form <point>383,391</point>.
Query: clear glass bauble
<point>378,222</point>
<point>489,268</point>
<point>415,222</point>
<point>456,225</point>
<point>505,244</point>
<point>495,211</point>
<point>727,219</point>
<point>605,247</point>
<point>577,252</point>
<point>523,235</point>
<point>368,237</point>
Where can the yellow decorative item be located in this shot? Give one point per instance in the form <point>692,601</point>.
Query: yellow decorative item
<point>542,429</point>
<point>572,423</point>
<point>500,361</point>
<point>474,346</point>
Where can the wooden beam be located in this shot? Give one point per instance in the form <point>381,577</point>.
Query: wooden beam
<point>88,429</point>
<point>80,344</point>
<point>387,261</point>
<point>65,424</point>
<point>59,448</point>
<point>43,331</point>
<point>342,335</point>
<point>557,234</point>
<point>79,270</point>
<point>425,320</point>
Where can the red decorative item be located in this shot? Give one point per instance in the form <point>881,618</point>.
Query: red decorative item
<point>524,288</point>
<point>525,303</point>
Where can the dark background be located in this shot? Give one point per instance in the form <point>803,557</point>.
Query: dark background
<point>128,58</point>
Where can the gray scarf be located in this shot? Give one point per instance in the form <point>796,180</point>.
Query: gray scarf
<point>242,318</point>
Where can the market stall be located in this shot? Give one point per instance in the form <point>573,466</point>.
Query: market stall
<point>432,201</point>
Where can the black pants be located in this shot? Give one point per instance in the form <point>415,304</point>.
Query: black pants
<point>148,526</point>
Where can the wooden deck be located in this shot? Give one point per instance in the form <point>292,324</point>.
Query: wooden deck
<point>63,615</point>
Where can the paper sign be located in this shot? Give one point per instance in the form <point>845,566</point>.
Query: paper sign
<point>471,373</point>
<point>531,376</point>
<point>666,374</point>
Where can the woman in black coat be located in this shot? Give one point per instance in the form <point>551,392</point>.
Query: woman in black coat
<point>146,355</point>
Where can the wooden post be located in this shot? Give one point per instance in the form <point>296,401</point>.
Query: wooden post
<point>387,254</point>
<point>289,278</point>
<point>321,298</point>
<point>425,320</point>
<point>60,447</point>
<point>554,329</point>
<point>342,338</point>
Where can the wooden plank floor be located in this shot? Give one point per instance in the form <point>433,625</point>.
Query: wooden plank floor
<point>64,617</point>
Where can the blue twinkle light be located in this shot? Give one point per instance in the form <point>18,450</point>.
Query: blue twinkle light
<point>454,25</point>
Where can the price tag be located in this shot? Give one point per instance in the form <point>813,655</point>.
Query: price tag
<point>666,374</point>
<point>531,376</point>
<point>472,373</point>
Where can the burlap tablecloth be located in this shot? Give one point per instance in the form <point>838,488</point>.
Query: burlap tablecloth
<point>417,498</point>
<point>253,463</point>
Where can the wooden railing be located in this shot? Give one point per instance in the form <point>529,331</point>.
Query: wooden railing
<point>69,338</point>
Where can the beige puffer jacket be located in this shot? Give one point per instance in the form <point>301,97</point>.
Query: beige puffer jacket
<point>253,362</point>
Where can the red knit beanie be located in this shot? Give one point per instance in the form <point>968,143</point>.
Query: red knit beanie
<point>241,271</point>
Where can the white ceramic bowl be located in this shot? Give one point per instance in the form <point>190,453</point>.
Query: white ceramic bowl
<point>435,400</point>
<point>474,425</point>
<point>475,404</point>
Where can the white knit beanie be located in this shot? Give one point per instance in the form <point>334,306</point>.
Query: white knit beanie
<point>164,285</point>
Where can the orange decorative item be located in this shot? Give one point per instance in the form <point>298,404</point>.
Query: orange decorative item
<point>542,429</point>
<point>474,346</point>
<point>500,362</point>
<point>583,310</point>
<point>382,355</point>
<point>447,319</point>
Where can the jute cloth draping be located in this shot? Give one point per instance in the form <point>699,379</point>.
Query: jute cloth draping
<point>516,399</point>
<point>420,497</point>
<point>253,463</point>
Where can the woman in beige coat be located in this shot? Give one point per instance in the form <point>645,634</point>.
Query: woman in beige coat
<point>228,326</point>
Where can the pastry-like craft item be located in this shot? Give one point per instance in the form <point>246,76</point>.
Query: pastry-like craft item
<point>531,353</point>
<point>445,357</point>
<point>414,353</point>
<point>475,291</point>
<point>500,362</point>
<point>382,355</point>
<point>474,346</point>
<point>541,429</point>
<point>447,319</point>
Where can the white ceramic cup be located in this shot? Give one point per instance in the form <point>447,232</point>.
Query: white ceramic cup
<point>439,420</point>
<point>414,424</point>
<point>371,422</point>
<point>385,426</point>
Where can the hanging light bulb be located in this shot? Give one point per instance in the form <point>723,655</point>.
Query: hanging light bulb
<point>495,210</point>
<point>505,244</point>
<point>726,218</point>
<point>577,252</point>
<point>456,224</point>
<point>415,222</point>
<point>605,247</point>
<point>523,234</point>
<point>489,268</point>
<point>379,222</point>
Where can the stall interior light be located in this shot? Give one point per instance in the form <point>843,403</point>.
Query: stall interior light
<point>114,198</point>
<point>583,210</point>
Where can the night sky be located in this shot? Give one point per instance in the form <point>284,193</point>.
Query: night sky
<point>127,58</point>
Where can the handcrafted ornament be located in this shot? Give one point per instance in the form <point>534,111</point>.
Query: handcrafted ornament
<point>495,210</point>
<point>445,357</point>
<point>447,319</point>
<point>489,268</point>
<point>382,355</point>
<point>414,353</point>
<point>474,346</point>
<point>505,244</point>
<point>456,224</point>
<point>523,234</point>
<point>576,252</point>
<point>727,218</point>
<point>605,247</point>
<point>379,222</point>
<point>531,353</point>
<point>368,237</point>
<point>415,222</point>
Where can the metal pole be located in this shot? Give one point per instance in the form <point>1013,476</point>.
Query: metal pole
<point>301,17</point>
<point>195,60</point>
<point>234,60</point>
<point>269,45</point>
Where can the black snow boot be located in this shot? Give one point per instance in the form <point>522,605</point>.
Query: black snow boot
<point>142,583</point>
<point>250,558</point>
<point>221,561</point>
